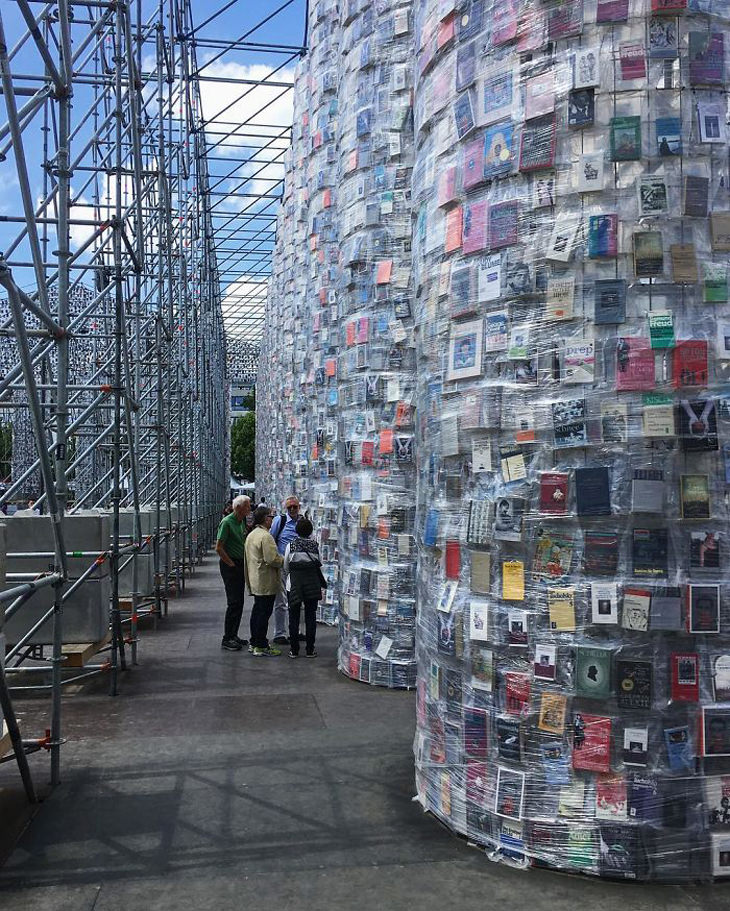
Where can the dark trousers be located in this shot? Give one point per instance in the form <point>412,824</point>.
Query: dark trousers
<point>310,624</point>
<point>234,583</point>
<point>263,605</point>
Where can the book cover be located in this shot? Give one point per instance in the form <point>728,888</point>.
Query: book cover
<point>684,263</point>
<point>537,145</point>
<point>561,608</point>
<point>585,67</point>
<point>696,425</point>
<point>720,231</point>
<point>544,665</point>
<point>593,672</point>
<point>604,603</point>
<point>566,20</point>
<point>685,676</point>
<point>653,195</point>
<point>695,194</point>
<point>513,580</point>
<point>715,730</point>
<point>510,793</point>
<point>452,239</point>
<point>648,250</point>
<point>464,115</point>
<point>581,108</point>
<point>647,490</point>
<point>591,173</point>
<point>509,739</point>
<point>668,136</point>
<point>635,368</point>
<point>476,742</point>
<point>703,613</point>
<point>554,758</point>
<point>592,489</point>
<point>636,607</point>
<point>517,631</point>
<point>504,22</point>
<point>680,754</point>
<point>496,95</point>
<point>704,551</point>
<point>614,422</point>
<point>717,801</point>
<point>503,224</point>
<point>706,58</point>
<point>465,66</point>
<point>634,684</point>
<point>694,496</point>
<point>472,170</point>
<point>474,230</point>
<point>446,193</point>
<point>619,851</point>
<point>479,621</point>
<point>591,743</point>
<point>579,359</point>
<point>480,576</point>
<point>720,847</point>
<point>661,328</point>
<point>612,11</point>
<point>611,797</point>
<point>632,60</point>
<point>609,301</point>
<point>666,610</point>
<point>569,423</point>
<point>711,122</point>
<point>657,415</point>
<point>552,713</point>
<point>644,798</point>
<point>663,38</point>
<point>559,298</point>
<point>560,245</point>
<point>539,95</point>
<point>498,154</point>
<point>553,555</point>
<point>489,278</point>
<point>602,236</point>
<point>572,799</point>
<point>509,515</point>
<point>465,350</point>
<point>650,553</point>
<point>496,331</point>
<point>636,746</point>
<point>553,493</point>
<point>689,363</point>
<point>625,138</point>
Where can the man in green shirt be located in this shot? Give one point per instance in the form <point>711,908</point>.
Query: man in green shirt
<point>229,547</point>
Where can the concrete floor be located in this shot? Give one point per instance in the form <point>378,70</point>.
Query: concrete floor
<point>220,781</point>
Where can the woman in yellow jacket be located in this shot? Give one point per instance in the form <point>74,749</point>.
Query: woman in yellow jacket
<point>263,578</point>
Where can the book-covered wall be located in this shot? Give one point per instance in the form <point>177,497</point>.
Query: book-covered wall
<point>571,239</point>
<point>376,367</point>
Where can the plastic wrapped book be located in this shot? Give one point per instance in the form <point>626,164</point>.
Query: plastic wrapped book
<point>570,194</point>
<point>376,367</point>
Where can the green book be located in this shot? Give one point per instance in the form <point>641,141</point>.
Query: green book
<point>661,328</point>
<point>593,672</point>
<point>625,138</point>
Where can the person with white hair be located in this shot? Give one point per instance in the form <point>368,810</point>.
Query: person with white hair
<point>230,549</point>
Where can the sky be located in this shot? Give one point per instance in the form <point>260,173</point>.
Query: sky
<point>285,27</point>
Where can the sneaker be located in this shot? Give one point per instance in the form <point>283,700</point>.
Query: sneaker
<point>231,645</point>
<point>250,647</point>
<point>312,654</point>
<point>281,640</point>
<point>242,642</point>
<point>271,652</point>
<point>292,655</point>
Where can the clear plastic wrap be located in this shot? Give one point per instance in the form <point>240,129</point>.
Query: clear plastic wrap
<point>570,194</point>
<point>376,363</point>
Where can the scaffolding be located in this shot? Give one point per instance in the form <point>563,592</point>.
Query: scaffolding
<point>113,348</point>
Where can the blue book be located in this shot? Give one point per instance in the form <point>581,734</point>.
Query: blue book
<point>679,749</point>
<point>430,533</point>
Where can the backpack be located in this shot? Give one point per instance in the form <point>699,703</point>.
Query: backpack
<point>283,516</point>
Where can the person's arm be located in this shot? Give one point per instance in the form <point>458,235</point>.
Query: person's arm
<point>270,554</point>
<point>245,571</point>
<point>220,547</point>
<point>274,530</point>
<point>287,555</point>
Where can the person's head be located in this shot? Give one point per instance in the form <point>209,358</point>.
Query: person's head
<point>304,528</point>
<point>241,507</point>
<point>262,516</point>
<point>291,505</point>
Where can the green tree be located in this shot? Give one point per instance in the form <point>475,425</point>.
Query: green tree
<point>243,446</point>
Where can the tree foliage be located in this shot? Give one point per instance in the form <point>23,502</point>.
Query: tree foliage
<point>243,446</point>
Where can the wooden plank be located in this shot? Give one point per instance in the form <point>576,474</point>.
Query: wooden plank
<point>78,655</point>
<point>6,744</point>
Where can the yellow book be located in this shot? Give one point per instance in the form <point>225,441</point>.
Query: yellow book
<point>513,580</point>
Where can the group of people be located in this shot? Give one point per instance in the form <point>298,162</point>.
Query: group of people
<point>278,561</point>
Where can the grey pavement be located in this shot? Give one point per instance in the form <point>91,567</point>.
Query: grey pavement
<point>223,781</point>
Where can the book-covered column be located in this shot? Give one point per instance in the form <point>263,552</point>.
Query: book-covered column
<point>319,332</point>
<point>571,232</point>
<point>377,354</point>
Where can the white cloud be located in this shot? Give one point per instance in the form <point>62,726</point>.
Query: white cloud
<point>243,303</point>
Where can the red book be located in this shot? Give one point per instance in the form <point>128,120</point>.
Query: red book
<point>634,364</point>
<point>668,6</point>
<point>518,692</point>
<point>453,559</point>
<point>368,451</point>
<point>476,783</point>
<point>474,230</point>
<point>554,493</point>
<point>453,230</point>
<point>447,186</point>
<point>591,743</point>
<point>689,363</point>
<point>685,676</point>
